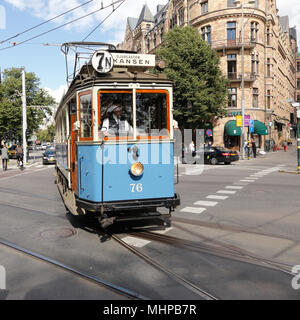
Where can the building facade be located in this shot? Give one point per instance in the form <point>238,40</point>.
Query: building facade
<point>257,51</point>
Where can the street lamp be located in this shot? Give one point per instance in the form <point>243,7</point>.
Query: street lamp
<point>243,74</point>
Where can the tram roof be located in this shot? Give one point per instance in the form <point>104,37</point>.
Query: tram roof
<point>88,77</point>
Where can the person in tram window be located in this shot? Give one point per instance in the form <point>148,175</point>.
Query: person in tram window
<point>113,125</point>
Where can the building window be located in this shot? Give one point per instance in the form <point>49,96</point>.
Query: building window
<point>232,97</point>
<point>206,33</point>
<point>148,45</point>
<point>298,98</point>
<point>268,67</point>
<point>154,40</point>
<point>298,83</point>
<point>181,16</point>
<point>230,3</point>
<point>268,37</point>
<point>204,7</point>
<point>254,63</point>
<point>231,66</point>
<point>255,98</point>
<point>148,26</point>
<point>298,66</point>
<point>254,31</point>
<point>231,31</point>
<point>268,99</point>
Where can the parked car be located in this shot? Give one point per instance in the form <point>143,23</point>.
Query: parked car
<point>49,156</point>
<point>12,151</point>
<point>214,155</point>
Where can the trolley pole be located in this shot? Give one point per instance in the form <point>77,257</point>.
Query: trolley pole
<point>24,117</point>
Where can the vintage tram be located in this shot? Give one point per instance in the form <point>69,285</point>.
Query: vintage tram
<point>114,137</point>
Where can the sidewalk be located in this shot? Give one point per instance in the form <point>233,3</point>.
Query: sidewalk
<point>12,163</point>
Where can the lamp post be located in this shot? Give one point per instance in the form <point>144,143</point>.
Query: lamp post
<point>243,74</point>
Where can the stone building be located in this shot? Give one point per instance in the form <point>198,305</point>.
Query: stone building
<point>257,50</point>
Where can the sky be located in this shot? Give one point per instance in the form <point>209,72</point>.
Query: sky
<point>47,61</point>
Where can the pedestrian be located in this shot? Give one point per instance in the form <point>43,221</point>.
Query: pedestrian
<point>253,148</point>
<point>284,146</point>
<point>19,151</point>
<point>4,156</point>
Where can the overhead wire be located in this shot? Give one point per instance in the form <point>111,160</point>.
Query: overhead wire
<point>114,9</point>
<point>63,25</point>
<point>40,24</point>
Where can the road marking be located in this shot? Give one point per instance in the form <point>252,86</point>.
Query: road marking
<point>206,203</point>
<point>215,197</point>
<point>247,180</point>
<point>162,231</point>
<point>234,187</point>
<point>193,210</point>
<point>251,178</point>
<point>135,242</point>
<point>226,191</point>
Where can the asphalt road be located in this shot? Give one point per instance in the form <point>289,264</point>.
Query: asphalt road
<point>259,215</point>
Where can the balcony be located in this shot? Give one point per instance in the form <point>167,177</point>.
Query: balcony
<point>237,77</point>
<point>220,45</point>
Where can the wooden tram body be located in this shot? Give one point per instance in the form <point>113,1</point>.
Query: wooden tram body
<point>116,177</point>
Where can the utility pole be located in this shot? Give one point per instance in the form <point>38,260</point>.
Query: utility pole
<point>24,117</point>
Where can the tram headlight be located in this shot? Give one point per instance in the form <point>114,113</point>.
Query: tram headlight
<point>137,169</point>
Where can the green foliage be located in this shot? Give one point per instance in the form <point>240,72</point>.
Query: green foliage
<point>11,103</point>
<point>200,93</point>
<point>47,134</point>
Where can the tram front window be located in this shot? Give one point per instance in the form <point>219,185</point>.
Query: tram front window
<point>151,113</point>
<point>116,114</point>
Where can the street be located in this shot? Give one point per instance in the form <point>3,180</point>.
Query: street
<point>250,208</point>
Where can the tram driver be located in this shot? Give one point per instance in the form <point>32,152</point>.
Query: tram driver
<point>113,124</point>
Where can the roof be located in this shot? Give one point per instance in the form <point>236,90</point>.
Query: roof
<point>145,15</point>
<point>132,22</point>
<point>284,22</point>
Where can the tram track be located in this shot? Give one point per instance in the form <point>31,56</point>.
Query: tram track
<point>231,228</point>
<point>218,249</point>
<point>187,284</point>
<point>117,289</point>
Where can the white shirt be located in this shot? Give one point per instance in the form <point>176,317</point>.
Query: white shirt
<point>105,125</point>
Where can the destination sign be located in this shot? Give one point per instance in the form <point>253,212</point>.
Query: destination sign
<point>104,61</point>
<point>135,60</point>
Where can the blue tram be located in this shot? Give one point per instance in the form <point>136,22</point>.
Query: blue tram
<point>114,139</point>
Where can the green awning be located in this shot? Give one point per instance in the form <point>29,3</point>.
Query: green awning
<point>231,129</point>
<point>260,128</point>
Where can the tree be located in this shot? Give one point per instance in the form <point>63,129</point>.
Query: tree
<point>47,134</point>
<point>200,92</point>
<point>11,103</point>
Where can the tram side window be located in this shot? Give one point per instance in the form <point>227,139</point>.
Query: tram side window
<point>151,113</point>
<point>86,121</point>
<point>116,113</point>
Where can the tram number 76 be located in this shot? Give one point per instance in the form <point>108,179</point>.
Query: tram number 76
<point>136,187</point>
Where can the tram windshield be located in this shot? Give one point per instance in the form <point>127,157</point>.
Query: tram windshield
<point>116,113</point>
<point>151,113</point>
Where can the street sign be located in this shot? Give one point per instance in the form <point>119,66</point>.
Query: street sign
<point>209,132</point>
<point>239,121</point>
<point>246,120</point>
<point>298,113</point>
<point>251,125</point>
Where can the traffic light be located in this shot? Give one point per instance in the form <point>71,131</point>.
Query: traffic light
<point>27,134</point>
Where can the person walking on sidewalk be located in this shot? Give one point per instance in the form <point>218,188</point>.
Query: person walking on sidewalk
<point>4,156</point>
<point>19,150</point>
<point>284,146</point>
<point>253,148</point>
